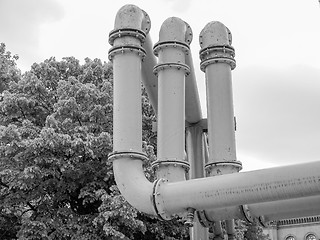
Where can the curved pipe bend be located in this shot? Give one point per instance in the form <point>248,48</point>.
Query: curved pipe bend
<point>165,199</point>
<point>131,16</point>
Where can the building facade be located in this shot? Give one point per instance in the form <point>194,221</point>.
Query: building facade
<point>306,228</point>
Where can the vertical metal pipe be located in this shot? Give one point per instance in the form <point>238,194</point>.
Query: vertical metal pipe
<point>195,153</point>
<point>163,198</point>
<point>131,26</point>
<point>217,231</point>
<point>195,150</point>
<point>214,39</point>
<point>127,103</point>
<point>150,81</point>
<point>173,45</point>
<point>193,106</point>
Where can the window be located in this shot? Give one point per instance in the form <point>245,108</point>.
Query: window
<point>290,238</point>
<point>311,237</point>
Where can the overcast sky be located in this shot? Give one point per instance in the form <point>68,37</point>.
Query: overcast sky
<point>276,83</point>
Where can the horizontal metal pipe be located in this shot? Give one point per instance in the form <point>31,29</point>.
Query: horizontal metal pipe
<point>243,188</point>
<point>162,198</point>
<point>291,208</point>
<point>276,210</point>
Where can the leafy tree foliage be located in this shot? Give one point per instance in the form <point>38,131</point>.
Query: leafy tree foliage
<point>254,232</point>
<point>8,69</point>
<point>55,136</point>
<point>244,231</point>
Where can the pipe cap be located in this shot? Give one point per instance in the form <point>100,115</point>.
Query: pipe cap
<point>175,29</point>
<point>131,16</point>
<point>215,34</point>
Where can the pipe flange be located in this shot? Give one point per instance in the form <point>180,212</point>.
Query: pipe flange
<point>234,166</point>
<point>125,32</point>
<point>127,154</point>
<point>126,49</point>
<point>189,34</point>
<point>172,162</point>
<point>229,35</point>
<point>262,222</point>
<point>246,214</point>
<point>213,60</point>
<point>179,66</point>
<point>158,201</point>
<point>171,44</point>
<point>216,50</point>
<point>146,24</point>
<point>203,219</point>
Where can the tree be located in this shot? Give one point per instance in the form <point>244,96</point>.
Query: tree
<point>254,232</point>
<point>55,137</point>
<point>8,69</point>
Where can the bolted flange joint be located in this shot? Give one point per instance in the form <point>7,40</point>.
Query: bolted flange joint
<point>217,54</point>
<point>262,222</point>
<point>158,201</point>
<point>215,41</point>
<point>127,49</point>
<point>184,47</point>
<point>172,65</point>
<point>126,32</point>
<point>223,167</point>
<point>127,154</point>
<point>203,219</point>
<point>246,214</point>
<point>172,162</point>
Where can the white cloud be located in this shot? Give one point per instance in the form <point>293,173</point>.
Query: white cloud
<point>179,5</point>
<point>20,23</point>
<point>278,113</point>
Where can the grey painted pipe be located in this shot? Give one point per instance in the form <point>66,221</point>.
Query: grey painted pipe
<point>265,185</point>
<point>162,198</point>
<point>214,39</point>
<point>270,211</point>
<point>171,70</point>
<point>193,113</point>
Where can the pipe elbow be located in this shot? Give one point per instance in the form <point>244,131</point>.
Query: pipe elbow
<point>133,184</point>
<point>132,17</point>
<point>215,33</point>
<point>215,41</point>
<point>175,29</point>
